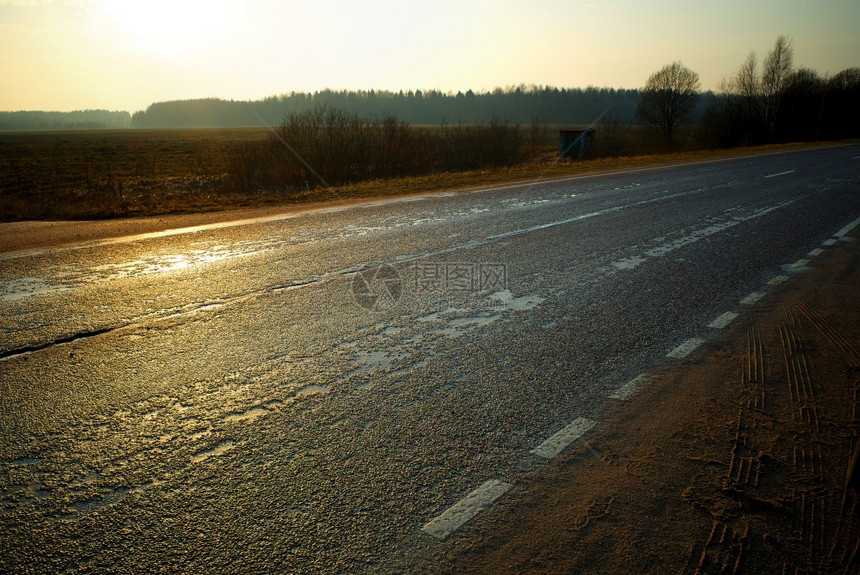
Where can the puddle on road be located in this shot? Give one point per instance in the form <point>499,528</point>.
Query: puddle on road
<point>65,277</point>
<point>477,321</point>
<point>629,263</point>
<point>382,360</point>
<point>83,508</point>
<point>460,326</point>
<point>522,303</point>
<point>312,390</point>
<point>25,287</point>
<point>200,434</point>
<point>377,360</point>
<point>248,415</point>
<point>430,317</point>
<point>411,346</point>
<point>215,451</point>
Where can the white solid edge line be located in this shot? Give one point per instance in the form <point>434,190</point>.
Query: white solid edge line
<point>846,229</point>
<point>752,298</point>
<point>461,512</point>
<point>723,320</point>
<point>686,348</point>
<point>624,392</point>
<point>558,442</point>
<point>780,174</point>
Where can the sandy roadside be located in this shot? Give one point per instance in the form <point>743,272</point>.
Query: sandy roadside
<point>731,461</point>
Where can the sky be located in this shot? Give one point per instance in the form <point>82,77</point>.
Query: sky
<point>67,55</point>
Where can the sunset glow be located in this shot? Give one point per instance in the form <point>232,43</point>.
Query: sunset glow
<point>113,54</point>
<point>163,27</point>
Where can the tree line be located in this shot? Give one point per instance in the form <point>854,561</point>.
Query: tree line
<point>24,121</point>
<point>770,102</point>
<point>519,105</point>
<point>763,102</point>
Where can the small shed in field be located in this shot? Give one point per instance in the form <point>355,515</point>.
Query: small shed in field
<point>575,144</point>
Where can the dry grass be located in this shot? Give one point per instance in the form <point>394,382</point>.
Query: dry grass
<point>97,174</point>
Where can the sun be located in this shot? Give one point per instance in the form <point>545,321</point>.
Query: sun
<point>164,27</point>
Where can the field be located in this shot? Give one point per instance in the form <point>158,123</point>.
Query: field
<point>92,174</point>
<point>105,174</point>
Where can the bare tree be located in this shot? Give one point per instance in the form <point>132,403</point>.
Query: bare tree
<point>668,99</point>
<point>777,68</point>
<point>742,105</point>
<point>746,82</point>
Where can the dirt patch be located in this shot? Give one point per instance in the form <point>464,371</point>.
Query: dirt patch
<point>735,462</point>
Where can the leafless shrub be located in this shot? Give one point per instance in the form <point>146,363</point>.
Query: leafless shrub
<point>480,145</point>
<point>326,146</point>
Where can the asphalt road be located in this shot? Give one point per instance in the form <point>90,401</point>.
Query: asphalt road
<point>304,394</point>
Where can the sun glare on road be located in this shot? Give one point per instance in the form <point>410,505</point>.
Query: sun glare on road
<point>165,27</point>
<point>177,262</point>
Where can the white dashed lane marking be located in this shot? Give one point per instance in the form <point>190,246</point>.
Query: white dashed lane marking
<point>753,298</point>
<point>631,387</point>
<point>815,253</point>
<point>780,174</point>
<point>830,242</point>
<point>686,348</point>
<point>723,320</point>
<point>844,231</point>
<point>777,280</point>
<point>558,442</point>
<point>461,512</point>
<point>800,263</point>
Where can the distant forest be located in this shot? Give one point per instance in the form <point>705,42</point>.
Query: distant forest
<point>78,120</point>
<point>519,105</point>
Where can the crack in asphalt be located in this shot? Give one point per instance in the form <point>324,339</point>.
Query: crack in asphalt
<point>8,354</point>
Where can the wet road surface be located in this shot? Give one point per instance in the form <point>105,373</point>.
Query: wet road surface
<point>305,393</point>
